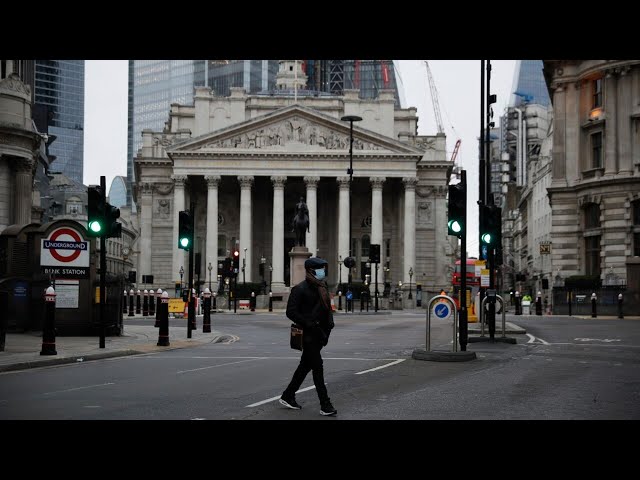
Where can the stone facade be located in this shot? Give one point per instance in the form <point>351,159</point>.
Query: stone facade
<point>245,160</point>
<point>595,187</point>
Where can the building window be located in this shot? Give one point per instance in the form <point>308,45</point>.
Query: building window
<point>592,255</point>
<point>636,244</point>
<point>222,246</point>
<point>636,223</point>
<point>596,150</point>
<point>597,93</point>
<point>591,216</point>
<point>636,213</point>
<point>366,241</point>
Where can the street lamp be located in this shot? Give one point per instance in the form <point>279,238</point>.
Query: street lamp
<point>244,263</point>
<point>350,119</point>
<point>210,267</point>
<point>410,279</point>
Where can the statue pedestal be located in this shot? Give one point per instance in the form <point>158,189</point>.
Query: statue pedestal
<point>298,255</point>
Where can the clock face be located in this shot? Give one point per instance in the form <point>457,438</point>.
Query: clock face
<point>125,251</point>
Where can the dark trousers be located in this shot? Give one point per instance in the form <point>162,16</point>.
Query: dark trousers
<point>311,360</point>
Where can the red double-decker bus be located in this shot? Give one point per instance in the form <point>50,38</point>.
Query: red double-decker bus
<point>473,283</point>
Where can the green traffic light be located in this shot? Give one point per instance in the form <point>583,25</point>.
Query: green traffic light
<point>184,242</point>
<point>486,238</point>
<point>455,226</point>
<point>95,226</point>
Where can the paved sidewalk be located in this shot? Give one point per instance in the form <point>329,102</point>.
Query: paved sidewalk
<point>22,350</point>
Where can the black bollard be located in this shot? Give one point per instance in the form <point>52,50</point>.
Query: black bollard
<point>518,304</point>
<point>145,303</point>
<point>361,301</point>
<point>594,314</point>
<point>539,304</point>
<point>163,314</point>
<point>339,299</point>
<point>49,327</point>
<point>620,315</point>
<point>152,303</point>
<point>124,303</point>
<point>206,319</point>
<point>192,310</point>
<point>138,310</point>
<point>157,302</point>
<point>4,306</point>
<point>131,303</point>
<point>271,301</point>
<point>253,301</point>
<point>215,307</point>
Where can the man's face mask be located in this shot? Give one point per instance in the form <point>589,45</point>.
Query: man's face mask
<point>320,274</point>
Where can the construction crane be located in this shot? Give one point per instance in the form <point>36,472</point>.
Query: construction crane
<point>434,98</point>
<point>455,151</point>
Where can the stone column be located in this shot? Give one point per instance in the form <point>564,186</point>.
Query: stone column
<point>610,127</point>
<point>277,237</point>
<point>146,221</point>
<point>559,127</point>
<point>212,228</point>
<point>179,257</point>
<point>5,195</point>
<point>625,163</point>
<point>343,225</point>
<point>409,226</point>
<point>312,204</point>
<point>245,226</point>
<point>376,227</point>
<point>22,198</point>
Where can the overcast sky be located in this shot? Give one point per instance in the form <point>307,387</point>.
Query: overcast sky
<point>457,82</point>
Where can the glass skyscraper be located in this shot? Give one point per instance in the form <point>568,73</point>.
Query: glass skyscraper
<point>59,90</point>
<point>118,192</point>
<point>529,85</point>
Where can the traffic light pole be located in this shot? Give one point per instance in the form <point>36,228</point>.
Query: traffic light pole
<point>190,308</point>
<point>103,270</point>
<point>491,317</point>
<point>462,314</point>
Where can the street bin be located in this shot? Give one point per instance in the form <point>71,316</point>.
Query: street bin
<point>526,307</point>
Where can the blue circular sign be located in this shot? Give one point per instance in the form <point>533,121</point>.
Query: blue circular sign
<point>442,310</point>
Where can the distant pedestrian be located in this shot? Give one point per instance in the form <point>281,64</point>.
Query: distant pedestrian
<point>309,307</point>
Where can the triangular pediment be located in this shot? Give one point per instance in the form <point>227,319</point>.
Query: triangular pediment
<point>293,129</point>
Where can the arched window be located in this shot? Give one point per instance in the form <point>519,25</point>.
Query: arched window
<point>366,241</point>
<point>74,206</point>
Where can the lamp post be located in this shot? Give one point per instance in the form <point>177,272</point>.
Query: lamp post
<point>270,276</point>
<point>410,279</point>
<point>181,274</point>
<point>210,267</point>
<point>350,119</point>
<point>244,263</point>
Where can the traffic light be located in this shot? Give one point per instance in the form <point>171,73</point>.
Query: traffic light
<point>374,253</point>
<point>185,230</point>
<point>96,211</point>
<point>236,260</point>
<point>491,228</point>
<point>112,227</point>
<point>457,206</point>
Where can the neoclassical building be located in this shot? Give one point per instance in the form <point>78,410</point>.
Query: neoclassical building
<point>595,178</point>
<point>244,161</point>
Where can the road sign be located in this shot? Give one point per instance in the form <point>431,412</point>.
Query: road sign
<point>442,310</point>
<point>65,253</point>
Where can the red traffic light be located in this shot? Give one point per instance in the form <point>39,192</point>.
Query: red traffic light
<point>236,253</point>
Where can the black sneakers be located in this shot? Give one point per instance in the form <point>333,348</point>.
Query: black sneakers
<point>290,402</point>
<point>327,409</point>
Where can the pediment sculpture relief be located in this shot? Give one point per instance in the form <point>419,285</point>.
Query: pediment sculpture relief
<point>294,130</point>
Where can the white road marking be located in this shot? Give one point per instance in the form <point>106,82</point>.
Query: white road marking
<point>198,418</point>
<point>381,366</point>
<point>78,388</point>
<point>92,406</point>
<point>221,365</point>
<point>533,339</point>
<point>278,397</point>
<point>606,340</point>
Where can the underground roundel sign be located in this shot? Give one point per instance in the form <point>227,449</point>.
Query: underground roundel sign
<point>64,247</point>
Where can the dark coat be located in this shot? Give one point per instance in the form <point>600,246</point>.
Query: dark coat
<point>305,309</point>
